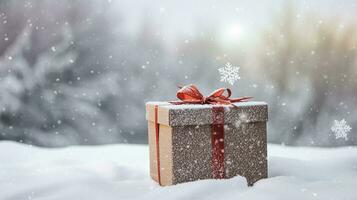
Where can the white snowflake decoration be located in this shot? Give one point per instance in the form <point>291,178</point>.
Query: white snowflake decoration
<point>229,73</point>
<point>341,129</point>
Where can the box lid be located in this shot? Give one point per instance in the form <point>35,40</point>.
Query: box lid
<point>198,114</point>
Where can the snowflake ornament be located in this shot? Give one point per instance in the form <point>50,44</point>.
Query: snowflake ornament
<point>229,73</point>
<point>341,129</point>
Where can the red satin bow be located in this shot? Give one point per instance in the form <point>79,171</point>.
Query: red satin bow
<point>189,94</point>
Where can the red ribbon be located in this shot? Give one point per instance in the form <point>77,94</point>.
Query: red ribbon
<point>217,143</point>
<point>157,127</point>
<point>189,94</point>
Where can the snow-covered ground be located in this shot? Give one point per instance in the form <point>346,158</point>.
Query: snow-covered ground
<point>121,172</point>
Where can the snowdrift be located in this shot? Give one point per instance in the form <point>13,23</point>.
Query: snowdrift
<point>121,172</point>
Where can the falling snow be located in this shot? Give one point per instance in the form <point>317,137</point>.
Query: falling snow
<point>229,73</point>
<point>60,64</point>
<point>341,129</point>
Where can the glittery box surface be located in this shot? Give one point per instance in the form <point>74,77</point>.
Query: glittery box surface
<point>185,141</point>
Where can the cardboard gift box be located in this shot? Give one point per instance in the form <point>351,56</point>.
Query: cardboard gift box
<point>193,142</point>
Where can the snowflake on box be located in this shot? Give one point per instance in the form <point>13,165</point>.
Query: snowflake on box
<point>229,73</point>
<point>341,129</point>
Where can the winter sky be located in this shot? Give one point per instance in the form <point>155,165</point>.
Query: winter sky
<point>234,20</point>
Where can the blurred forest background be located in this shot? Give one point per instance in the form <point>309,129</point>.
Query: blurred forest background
<point>79,72</point>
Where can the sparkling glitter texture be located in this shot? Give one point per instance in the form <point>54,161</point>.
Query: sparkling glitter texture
<point>189,153</point>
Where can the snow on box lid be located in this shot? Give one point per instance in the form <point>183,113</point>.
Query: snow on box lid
<point>198,114</point>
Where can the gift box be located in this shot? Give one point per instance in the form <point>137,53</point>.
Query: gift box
<point>203,141</point>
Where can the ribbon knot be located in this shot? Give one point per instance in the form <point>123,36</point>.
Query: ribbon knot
<point>190,94</point>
